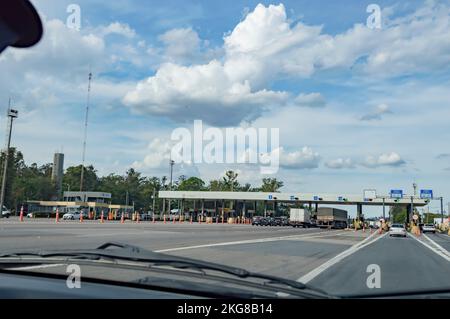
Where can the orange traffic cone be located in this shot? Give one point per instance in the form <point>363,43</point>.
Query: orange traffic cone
<point>137,218</point>
<point>102,218</point>
<point>154,219</point>
<point>165,222</point>
<point>57,216</point>
<point>190,220</point>
<point>122,218</point>
<point>81,217</point>
<point>21,214</point>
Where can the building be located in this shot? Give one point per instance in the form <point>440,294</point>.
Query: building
<point>58,172</point>
<point>93,203</point>
<point>87,197</point>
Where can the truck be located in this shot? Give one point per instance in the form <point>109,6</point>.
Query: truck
<point>300,217</point>
<point>329,217</point>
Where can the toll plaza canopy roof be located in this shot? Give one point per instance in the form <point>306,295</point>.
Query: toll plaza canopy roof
<point>333,199</point>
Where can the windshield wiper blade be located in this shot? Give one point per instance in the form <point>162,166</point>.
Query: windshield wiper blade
<point>125,252</point>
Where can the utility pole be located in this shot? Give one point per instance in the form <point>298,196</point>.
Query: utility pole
<point>442,209</point>
<point>172,163</point>
<point>12,114</point>
<point>154,199</point>
<point>85,131</point>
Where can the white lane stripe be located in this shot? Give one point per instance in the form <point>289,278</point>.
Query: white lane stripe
<point>436,251</point>
<point>331,262</point>
<point>251,241</point>
<point>36,267</point>
<point>444,251</point>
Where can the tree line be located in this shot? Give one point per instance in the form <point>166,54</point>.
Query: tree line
<point>33,182</point>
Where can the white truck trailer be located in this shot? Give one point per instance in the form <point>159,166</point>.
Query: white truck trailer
<point>299,217</point>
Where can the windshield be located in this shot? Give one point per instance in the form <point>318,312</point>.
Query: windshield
<point>279,138</point>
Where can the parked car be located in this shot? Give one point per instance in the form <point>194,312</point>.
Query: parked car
<point>429,228</point>
<point>397,230</point>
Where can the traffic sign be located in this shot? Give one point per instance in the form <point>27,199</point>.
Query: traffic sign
<point>292,197</point>
<point>316,197</point>
<point>396,193</point>
<point>426,193</point>
<point>271,196</point>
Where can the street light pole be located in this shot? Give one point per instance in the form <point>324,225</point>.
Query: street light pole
<point>12,114</point>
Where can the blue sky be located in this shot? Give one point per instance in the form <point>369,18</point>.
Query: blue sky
<point>356,107</point>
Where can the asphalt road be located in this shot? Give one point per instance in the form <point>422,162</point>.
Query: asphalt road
<point>334,260</point>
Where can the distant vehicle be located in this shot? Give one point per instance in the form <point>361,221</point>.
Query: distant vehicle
<point>30,215</point>
<point>281,221</point>
<point>300,217</point>
<point>256,221</point>
<point>146,216</point>
<point>397,230</point>
<point>6,212</point>
<point>332,217</point>
<point>267,221</point>
<point>429,228</point>
<point>74,215</point>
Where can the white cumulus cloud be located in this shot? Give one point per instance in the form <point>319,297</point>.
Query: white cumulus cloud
<point>386,159</point>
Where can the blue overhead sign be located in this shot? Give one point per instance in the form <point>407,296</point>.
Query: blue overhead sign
<point>270,196</point>
<point>316,198</point>
<point>292,197</point>
<point>396,193</point>
<point>426,193</point>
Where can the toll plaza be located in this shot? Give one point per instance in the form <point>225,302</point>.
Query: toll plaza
<point>245,204</point>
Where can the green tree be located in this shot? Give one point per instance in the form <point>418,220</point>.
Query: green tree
<point>398,214</point>
<point>230,181</point>
<point>191,184</point>
<point>72,178</point>
<point>271,185</point>
<point>216,186</point>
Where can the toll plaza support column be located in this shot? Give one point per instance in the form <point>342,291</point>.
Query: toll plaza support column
<point>243,210</point>
<point>223,210</point>
<point>265,208</point>
<point>203,207</point>
<point>409,210</point>
<point>358,211</point>
<point>163,207</point>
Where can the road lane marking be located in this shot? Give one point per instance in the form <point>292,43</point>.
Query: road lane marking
<point>331,262</point>
<point>439,251</point>
<point>251,241</point>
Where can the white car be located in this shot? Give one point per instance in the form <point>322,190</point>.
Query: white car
<point>429,228</point>
<point>397,230</point>
<point>73,216</point>
<point>6,212</point>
